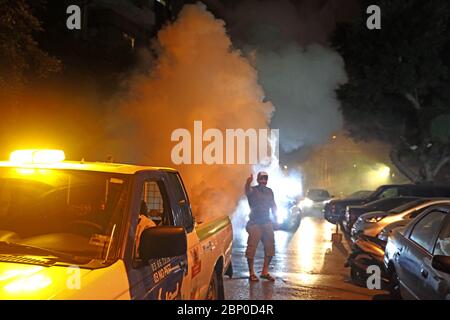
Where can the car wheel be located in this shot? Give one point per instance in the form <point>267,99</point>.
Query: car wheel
<point>215,288</point>
<point>394,286</point>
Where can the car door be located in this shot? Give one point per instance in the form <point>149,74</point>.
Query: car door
<point>417,254</point>
<point>437,284</point>
<point>157,279</point>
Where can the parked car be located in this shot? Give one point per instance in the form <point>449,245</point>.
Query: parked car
<point>417,258</point>
<point>352,213</point>
<point>314,200</point>
<point>371,224</point>
<point>334,210</point>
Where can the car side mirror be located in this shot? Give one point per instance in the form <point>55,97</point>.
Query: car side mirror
<point>441,263</point>
<point>162,242</point>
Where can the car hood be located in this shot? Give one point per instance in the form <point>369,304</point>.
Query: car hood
<point>27,281</point>
<point>372,214</point>
<point>396,224</point>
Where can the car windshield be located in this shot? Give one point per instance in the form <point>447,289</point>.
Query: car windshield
<point>317,194</point>
<point>408,206</point>
<point>63,213</point>
<point>362,194</point>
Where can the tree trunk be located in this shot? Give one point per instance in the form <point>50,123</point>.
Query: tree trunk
<point>429,177</point>
<point>404,169</point>
<point>444,160</point>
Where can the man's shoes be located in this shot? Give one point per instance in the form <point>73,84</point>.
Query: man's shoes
<point>267,277</point>
<point>253,278</point>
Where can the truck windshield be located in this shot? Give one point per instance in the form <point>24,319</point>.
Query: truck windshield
<point>69,212</point>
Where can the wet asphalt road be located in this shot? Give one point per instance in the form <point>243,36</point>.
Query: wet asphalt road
<point>306,266</point>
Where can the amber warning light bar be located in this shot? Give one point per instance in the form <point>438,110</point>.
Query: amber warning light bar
<point>37,156</point>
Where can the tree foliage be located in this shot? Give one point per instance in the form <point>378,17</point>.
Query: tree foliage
<point>21,59</point>
<point>399,82</point>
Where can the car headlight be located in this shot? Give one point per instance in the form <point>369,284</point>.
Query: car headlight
<point>383,235</point>
<point>306,203</point>
<point>374,219</point>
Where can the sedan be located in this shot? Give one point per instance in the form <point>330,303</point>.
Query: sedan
<point>417,258</point>
<point>371,224</point>
<point>352,213</point>
<point>315,200</point>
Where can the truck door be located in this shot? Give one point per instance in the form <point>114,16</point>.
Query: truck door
<point>159,279</point>
<point>183,217</point>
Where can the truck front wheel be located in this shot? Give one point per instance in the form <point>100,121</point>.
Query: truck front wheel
<point>215,288</point>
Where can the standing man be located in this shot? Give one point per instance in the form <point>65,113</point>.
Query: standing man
<point>259,227</point>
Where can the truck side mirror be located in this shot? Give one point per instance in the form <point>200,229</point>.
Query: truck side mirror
<point>441,263</point>
<point>162,242</point>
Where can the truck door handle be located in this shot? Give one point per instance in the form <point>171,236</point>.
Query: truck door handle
<point>424,273</point>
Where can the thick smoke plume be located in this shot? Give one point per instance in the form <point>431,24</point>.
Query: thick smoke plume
<point>299,73</point>
<point>197,76</point>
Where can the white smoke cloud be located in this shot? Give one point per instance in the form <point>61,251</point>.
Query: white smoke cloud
<point>299,73</point>
<point>301,82</point>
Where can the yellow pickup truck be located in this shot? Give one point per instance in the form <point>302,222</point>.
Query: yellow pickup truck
<point>89,230</point>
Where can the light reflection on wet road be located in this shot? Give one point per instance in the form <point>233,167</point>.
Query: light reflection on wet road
<point>306,266</point>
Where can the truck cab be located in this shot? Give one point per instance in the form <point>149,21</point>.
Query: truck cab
<point>90,230</point>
